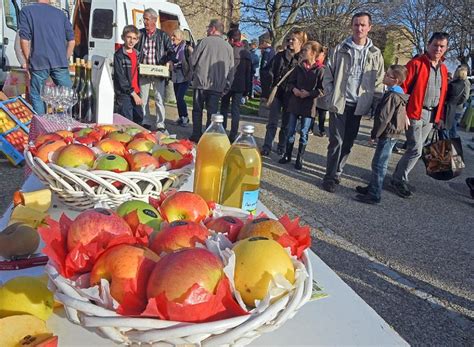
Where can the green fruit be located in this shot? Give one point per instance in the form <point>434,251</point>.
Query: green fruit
<point>147,214</point>
<point>111,162</point>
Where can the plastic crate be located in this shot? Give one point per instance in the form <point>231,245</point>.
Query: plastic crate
<point>18,109</point>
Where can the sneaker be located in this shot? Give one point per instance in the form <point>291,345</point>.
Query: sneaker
<point>367,199</point>
<point>321,133</point>
<point>362,190</point>
<point>280,151</point>
<point>310,132</point>
<point>337,180</point>
<point>179,121</point>
<point>401,189</point>
<point>184,122</point>
<point>265,152</point>
<point>329,186</point>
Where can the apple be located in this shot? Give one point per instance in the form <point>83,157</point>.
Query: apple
<point>45,138</point>
<point>75,155</point>
<point>133,131</point>
<point>177,235</point>
<point>93,223</point>
<point>141,160</point>
<point>168,140</point>
<point>120,136</point>
<point>65,134</point>
<point>262,227</point>
<point>146,135</point>
<point>164,155</point>
<point>228,225</point>
<point>146,213</point>
<point>82,132</point>
<point>112,146</point>
<point>184,206</point>
<point>106,128</point>
<point>180,147</point>
<point>86,140</point>
<point>127,268</point>
<point>141,145</point>
<point>111,162</point>
<point>177,272</point>
<point>49,147</point>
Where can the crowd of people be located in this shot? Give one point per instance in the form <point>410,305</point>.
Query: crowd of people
<point>302,81</point>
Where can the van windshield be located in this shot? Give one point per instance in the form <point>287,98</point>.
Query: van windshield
<point>12,10</point>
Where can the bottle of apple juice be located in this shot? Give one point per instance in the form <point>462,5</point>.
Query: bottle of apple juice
<point>210,155</point>
<point>241,173</point>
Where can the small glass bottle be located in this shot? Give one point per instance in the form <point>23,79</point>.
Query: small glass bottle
<point>210,154</point>
<point>241,173</point>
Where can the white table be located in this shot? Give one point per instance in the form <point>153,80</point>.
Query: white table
<point>343,318</point>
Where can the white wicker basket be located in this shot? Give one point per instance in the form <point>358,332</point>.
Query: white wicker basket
<point>73,187</point>
<point>237,331</point>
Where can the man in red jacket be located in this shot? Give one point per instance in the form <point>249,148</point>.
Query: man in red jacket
<point>427,83</point>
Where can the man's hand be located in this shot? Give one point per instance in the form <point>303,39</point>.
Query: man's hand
<point>441,124</point>
<point>371,142</point>
<point>138,101</point>
<point>407,122</point>
<point>304,93</point>
<point>297,92</point>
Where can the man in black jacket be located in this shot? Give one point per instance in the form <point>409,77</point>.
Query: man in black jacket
<point>241,83</point>
<point>155,48</point>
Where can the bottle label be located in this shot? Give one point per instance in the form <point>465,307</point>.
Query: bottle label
<point>249,201</point>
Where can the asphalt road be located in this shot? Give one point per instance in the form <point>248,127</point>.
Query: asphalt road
<point>411,260</point>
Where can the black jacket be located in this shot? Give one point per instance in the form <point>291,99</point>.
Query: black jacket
<point>281,63</point>
<point>164,48</point>
<point>123,73</point>
<point>390,116</point>
<point>454,97</point>
<point>310,80</point>
<point>242,70</point>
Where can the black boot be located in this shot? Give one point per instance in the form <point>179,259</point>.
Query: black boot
<point>287,156</point>
<point>299,158</point>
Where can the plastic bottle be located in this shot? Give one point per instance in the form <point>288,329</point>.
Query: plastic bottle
<point>211,151</point>
<point>241,173</point>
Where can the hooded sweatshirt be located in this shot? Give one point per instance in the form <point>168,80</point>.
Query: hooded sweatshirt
<point>391,114</point>
<point>358,57</point>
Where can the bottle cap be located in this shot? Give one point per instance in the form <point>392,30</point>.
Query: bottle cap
<point>217,118</point>
<point>248,129</point>
<point>78,61</point>
<point>83,61</point>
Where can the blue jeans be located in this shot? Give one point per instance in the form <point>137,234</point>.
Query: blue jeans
<point>379,165</point>
<point>234,112</point>
<point>60,77</point>
<point>452,133</point>
<point>129,109</point>
<point>304,129</point>
<point>179,91</point>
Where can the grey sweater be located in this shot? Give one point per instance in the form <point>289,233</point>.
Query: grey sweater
<point>212,64</point>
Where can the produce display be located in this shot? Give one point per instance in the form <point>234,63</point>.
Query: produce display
<point>172,258</point>
<point>20,110</point>
<point>18,139</point>
<point>6,123</point>
<point>110,148</point>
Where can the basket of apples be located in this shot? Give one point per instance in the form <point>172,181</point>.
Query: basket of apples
<point>108,164</point>
<point>174,271</point>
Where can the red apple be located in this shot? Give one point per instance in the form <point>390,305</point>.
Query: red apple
<point>93,223</point>
<point>112,146</point>
<point>75,155</point>
<point>177,272</point>
<point>227,225</point>
<point>107,128</point>
<point>184,206</point>
<point>127,268</point>
<point>45,138</point>
<point>141,145</point>
<point>120,136</point>
<point>146,135</point>
<point>65,134</point>
<point>180,147</point>
<point>142,160</point>
<point>49,147</point>
<point>179,234</point>
<point>164,155</point>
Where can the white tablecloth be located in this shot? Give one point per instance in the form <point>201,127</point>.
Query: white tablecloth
<point>343,318</point>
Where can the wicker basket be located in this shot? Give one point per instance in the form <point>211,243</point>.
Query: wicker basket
<point>82,189</point>
<point>235,331</point>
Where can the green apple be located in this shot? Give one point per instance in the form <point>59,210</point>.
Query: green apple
<point>147,214</point>
<point>120,136</point>
<point>111,162</point>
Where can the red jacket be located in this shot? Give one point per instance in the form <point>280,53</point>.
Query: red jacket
<point>416,83</point>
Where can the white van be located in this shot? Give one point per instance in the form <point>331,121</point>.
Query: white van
<point>97,24</point>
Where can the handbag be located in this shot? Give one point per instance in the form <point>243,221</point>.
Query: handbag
<point>443,158</point>
<point>272,95</point>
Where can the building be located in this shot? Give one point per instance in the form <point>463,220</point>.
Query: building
<point>198,13</point>
<point>395,43</point>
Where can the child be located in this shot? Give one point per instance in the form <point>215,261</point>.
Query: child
<point>389,124</point>
<point>305,83</point>
<point>126,87</point>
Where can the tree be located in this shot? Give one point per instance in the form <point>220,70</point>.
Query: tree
<point>277,17</point>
